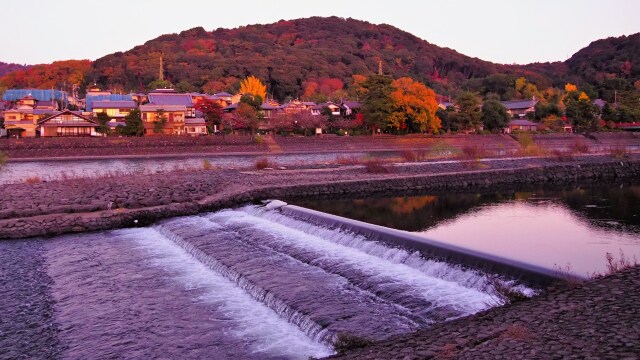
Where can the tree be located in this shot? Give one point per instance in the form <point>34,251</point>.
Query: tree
<point>305,121</point>
<point>247,115</point>
<point>581,111</point>
<point>159,84</point>
<point>415,106</point>
<point>469,114</point>
<point>252,85</point>
<point>377,106</point>
<point>494,114</point>
<point>160,122</point>
<point>211,111</point>
<point>185,87</point>
<point>133,124</point>
<point>103,119</point>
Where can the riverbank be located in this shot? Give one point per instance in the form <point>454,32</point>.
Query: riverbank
<point>593,320</point>
<point>78,205</point>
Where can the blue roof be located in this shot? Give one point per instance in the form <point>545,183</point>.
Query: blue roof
<point>120,104</point>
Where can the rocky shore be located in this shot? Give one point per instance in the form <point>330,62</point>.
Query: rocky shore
<point>594,320</point>
<point>57,207</point>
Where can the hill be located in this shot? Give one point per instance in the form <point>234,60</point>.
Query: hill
<point>286,54</point>
<point>6,68</point>
<point>294,56</point>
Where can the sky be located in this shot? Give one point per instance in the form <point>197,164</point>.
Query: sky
<point>502,31</point>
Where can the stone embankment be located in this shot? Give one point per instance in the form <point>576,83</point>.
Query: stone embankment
<point>593,320</point>
<point>78,205</point>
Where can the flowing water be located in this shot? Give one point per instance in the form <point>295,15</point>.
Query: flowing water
<point>243,283</point>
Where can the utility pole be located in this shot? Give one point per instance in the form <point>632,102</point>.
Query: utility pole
<point>379,67</point>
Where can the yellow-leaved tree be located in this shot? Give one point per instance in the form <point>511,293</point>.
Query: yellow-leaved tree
<point>569,87</point>
<point>415,106</point>
<point>252,85</point>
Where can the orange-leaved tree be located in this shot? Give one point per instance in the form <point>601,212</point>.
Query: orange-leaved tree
<point>415,107</point>
<point>252,85</point>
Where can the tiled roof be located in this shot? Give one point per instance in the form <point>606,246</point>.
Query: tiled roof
<point>523,122</point>
<point>155,107</point>
<point>222,94</point>
<point>599,102</point>
<point>352,104</point>
<point>195,121</point>
<point>170,99</point>
<point>124,104</point>
<point>519,104</point>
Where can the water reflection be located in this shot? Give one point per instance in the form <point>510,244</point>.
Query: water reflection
<point>552,228</point>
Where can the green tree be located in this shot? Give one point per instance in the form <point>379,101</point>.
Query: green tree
<point>494,114</point>
<point>103,119</point>
<point>185,87</point>
<point>133,124</point>
<point>469,114</point>
<point>160,122</point>
<point>159,84</point>
<point>581,111</point>
<point>377,106</point>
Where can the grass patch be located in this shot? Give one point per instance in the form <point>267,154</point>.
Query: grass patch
<point>3,159</point>
<point>347,160</point>
<point>616,264</point>
<point>206,164</point>
<point>579,147</point>
<point>561,155</point>
<point>375,166</point>
<point>263,163</point>
<point>619,152</point>
<point>344,342</point>
<point>33,180</point>
<point>471,153</point>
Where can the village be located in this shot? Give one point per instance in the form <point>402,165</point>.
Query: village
<point>29,113</point>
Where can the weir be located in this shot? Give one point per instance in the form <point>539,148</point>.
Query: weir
<point>528,273</point>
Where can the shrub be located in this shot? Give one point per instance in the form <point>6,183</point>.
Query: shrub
<point>409,155</point>
<point>3,158</point>
<point>614,264</point>
<point>206,164</point>
<point>375,166</point>
<point>258,140</point>
<point>525,140</point>
<point>471,153</point>
<point>262,163</point>
<point>562,155</point>
<point>502,293</point>
<point>33,180</point>
<point>619,152</point>
<point>345,342</point>
<point>580,147</point>
<point>346,160</point>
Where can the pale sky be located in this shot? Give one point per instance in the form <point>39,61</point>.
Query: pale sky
<point>503,31</point>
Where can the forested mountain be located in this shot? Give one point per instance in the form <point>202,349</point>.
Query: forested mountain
<point>297,57</point>
<point>6,68</point>
<point>57,75</point>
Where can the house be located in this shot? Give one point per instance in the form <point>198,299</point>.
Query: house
<point>318,109</point>
<point>169,97</point>
<point>521,125</point>
<point>163,119</point>
<point>297,106</point>
<point>195,126</point>
<point>23,120</point>
<point>50,105</point>
<point>350,108</point>
<point>117,110</point>
<point>67,123</point>
<point>445,105</point>
<point>520,108</point>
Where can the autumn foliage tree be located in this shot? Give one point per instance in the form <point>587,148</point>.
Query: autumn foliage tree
<point>211,111</point>
<point>415,107</point>
<point>252,85</point>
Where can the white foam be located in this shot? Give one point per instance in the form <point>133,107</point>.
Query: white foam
<point>370,257</point>
<point>252,321</point>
